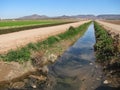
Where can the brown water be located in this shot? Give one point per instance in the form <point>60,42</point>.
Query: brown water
<point>76,69</point>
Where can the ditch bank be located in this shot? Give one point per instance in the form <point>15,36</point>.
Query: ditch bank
<point>36,57</point>
<point>107,49</point>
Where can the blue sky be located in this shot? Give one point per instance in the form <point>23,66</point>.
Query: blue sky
<point>18,8</point>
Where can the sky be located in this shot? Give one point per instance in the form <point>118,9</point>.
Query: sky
<point>19,8</point>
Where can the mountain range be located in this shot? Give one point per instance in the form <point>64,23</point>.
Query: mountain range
<point>34,16</point>
<point>104,16</point>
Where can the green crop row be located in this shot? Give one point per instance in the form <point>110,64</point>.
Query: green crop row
<point>24,54</point>
<point>29,26</point>
<point>12,23</point>
<point>22,23</point>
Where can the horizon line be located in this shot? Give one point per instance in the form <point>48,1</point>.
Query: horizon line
<point>57,15</point>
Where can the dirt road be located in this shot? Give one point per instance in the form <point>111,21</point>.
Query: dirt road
<point>20,39</point>
<point>109,26</point>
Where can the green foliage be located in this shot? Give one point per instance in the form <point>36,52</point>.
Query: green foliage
<point>104,45</point>
<point>26,22</point>
<point>73,31</point>
<point>24,54</point>
<point>51,40</point>
<point>19,55</point>
<point>32,46</point>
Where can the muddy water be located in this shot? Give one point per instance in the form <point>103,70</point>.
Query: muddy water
<point>76,68</point>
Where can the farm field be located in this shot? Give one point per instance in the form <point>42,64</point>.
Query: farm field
<point>8,26</point>
<point>113,21</point>
<point>17,23</point>
<point>110,26</point>
<point>19,39</point>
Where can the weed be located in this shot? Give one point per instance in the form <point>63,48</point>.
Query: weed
<point>20,55</point>
<point>105,48</point>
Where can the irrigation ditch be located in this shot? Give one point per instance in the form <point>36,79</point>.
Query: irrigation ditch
<point>40,54</point>
<point>76,68</point>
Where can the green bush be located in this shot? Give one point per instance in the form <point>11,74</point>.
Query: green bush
<point>32,46</point>
<point>20,55</point>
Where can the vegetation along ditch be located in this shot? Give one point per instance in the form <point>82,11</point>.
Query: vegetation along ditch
<point>107,49</point>
<point>40,54</point>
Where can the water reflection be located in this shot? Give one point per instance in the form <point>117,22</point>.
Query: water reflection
<point>76,69</point>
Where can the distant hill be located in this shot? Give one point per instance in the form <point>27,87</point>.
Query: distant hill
<point>34,16</point>
<point>84,16</point>
<point>108,16</point>
<point>105,16</point>
<point>62,17</point>
<point>76,16</point>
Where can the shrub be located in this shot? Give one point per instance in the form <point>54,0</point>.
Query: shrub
<point>20,55</point>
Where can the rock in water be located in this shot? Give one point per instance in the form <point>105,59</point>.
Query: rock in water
<point>34,86</point>
<point>52,58</point>
<point>106,82</point>
<point>45,69</point>
<point>91,63</point>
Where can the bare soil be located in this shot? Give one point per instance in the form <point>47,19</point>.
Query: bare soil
<point>109,26</point>
<point>10,70</point>
<point>22,38</point>
<point>113,21</point>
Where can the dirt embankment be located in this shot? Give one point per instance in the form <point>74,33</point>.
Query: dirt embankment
<point>112,67</point>
<point>109,26</point>
<point>20,39</point>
